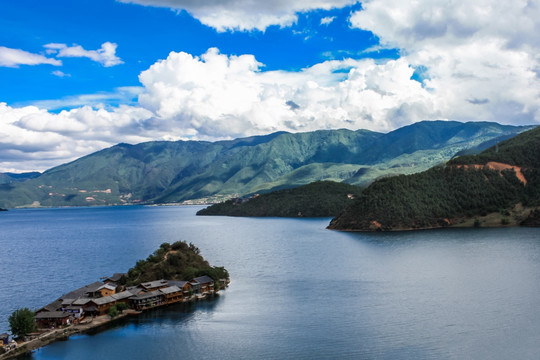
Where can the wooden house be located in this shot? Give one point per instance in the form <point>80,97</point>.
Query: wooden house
<point>105,290</point>
<point>48,319</point>
<point>76,311</point>
<point>148,300</point>
<point>186,287</point>
<point>154,285</point>
<point>203,285</point>
<point>114,279</point>
<point>103,304</point>
<point>173,294</point>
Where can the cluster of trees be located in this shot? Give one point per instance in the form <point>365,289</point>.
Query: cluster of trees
<point>318,199</point>
<point>177,261</point>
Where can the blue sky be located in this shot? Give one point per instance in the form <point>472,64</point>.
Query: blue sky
<point>78,76</point>
<point>147,34</point>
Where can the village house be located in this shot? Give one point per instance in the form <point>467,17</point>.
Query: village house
<point>154,285</point>
<point>105,290</point>
<point>147,300</point>
<point>203,285</point>
<point>49,319</point>
<point>187,289</point>
<point>114,279</point>
<point>103,304</point>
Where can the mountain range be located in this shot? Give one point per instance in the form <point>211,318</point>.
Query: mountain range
<point>199,171</point>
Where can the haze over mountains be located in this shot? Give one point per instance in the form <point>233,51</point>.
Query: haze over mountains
<point>170,172</point>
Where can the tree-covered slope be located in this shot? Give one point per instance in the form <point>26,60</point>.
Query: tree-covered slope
<point>318,199</point>
<point>170,172</point>
<point>177,261</point>
<point>503,180</point>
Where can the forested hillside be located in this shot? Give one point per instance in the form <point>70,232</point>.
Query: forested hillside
<point>318,199</point>
<point>500,186</point>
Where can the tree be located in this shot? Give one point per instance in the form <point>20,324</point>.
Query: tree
<point>121,307</point>
<point>113,311</point>
<point>22,322</point>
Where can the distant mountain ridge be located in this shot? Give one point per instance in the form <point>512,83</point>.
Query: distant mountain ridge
<point>498,187</point>
<point>6,178</point>
<point>171,172</point>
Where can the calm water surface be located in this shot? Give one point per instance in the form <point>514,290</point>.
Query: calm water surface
<point>298,291</point>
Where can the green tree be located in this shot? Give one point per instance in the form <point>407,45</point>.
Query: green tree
<point>113,311</point>
<point>121,306</point>
<point>22,322</point>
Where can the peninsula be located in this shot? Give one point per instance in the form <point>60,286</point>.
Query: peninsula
<point>174,273</point>
<point>318,199</point>
<point>498,187</point>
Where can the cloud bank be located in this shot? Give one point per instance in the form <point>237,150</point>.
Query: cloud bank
<point>480,59</point>
<point>242,15</point>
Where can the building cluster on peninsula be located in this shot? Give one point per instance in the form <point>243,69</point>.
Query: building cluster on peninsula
<point>99,297</point>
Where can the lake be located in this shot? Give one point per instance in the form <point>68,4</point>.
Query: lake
<point>297,291</point>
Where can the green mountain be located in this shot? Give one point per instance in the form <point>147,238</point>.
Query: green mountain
<point>172,172</point>
<point>318,199</point>
<point>499,186</point>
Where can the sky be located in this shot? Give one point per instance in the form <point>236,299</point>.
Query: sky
<point>80,76</point>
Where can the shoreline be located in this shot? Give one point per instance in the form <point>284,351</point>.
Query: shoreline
<point>62,334</point>
<point>87,325</point>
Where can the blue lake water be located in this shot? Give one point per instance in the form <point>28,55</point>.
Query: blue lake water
<point>298,291</point>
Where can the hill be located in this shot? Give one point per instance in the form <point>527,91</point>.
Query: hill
<point>177,261</point>
<point>173,172</point>
<point>318,199</point>
<point>500,186</point>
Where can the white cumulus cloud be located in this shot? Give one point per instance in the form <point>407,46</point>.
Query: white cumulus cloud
<point>224,15</point>
<point>14,57</point>
<point>479,59</point>
<point>216,95</point>
<point>106,55</point>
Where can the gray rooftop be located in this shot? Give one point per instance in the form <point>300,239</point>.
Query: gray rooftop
<point>147,295</point>
<point>170,290</point>
<point>154,284</point>
<point>116,277</point>
<point>204,279</point>
<point>107,286</point>
<point>178,283</point>
<point>122,295</point>
<point>53,315</point>
<point>67,301</point>
<point>55,305</point>
<point>90,288</point>
<point>81,301</point>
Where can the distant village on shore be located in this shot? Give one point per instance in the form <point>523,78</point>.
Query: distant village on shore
<point>100,302</point>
